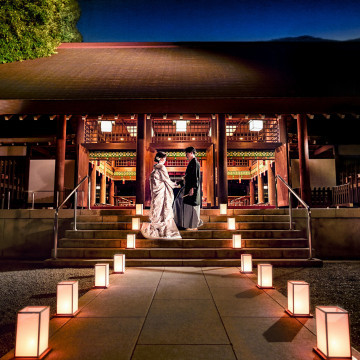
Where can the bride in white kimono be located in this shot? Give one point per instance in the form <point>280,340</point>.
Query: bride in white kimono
<point>162,224</point>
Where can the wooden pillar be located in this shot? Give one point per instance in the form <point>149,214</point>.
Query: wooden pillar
<point>149,161</point>
<point>93,185</point>
<point>60,158</point>
<point>103,186</point>
<point>261,198</point>
<point>210,170</point>
<point>222,160</point>
<point>111,192</point>
<point>252,191</point>
<point>303,147</point>
<point>140,159</point>
<point>271,183</point>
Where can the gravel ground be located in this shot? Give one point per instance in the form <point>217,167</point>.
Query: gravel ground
<point>23,284</point>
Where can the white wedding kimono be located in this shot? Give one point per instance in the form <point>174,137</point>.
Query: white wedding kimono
<point>162,224</point>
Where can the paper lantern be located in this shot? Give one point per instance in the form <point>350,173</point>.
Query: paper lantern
<point>265,276</point>
<point>298,299</point>
<point>246,263</point>
<point>256,125</point>
<point>130,241</point>
<point>102,275</point>
<point>332,332</point>
<point>67,298</point>
<point>231,224</point>
<point>236,241</point>
<point>32,331</point>
<point>223,209</point>
<point>106,126</point>
<point>139,209</point>
<point>119,263</point>
<point>135,223</point>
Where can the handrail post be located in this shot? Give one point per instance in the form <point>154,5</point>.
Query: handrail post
<point>75,207</point>
<point>290,210</point>
<point>57,199</point>
<point>56,228</point>
<point>2,201</point>
<point>33,201</point>
<point>89,191</point>
<point>276,194</point>
<point>309,234</point>
<point>9,193</point>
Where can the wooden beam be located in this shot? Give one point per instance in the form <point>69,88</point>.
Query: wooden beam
<point>180,146</point>
<point>110,146</point>
<point>27,140</point>
<point>241,145</point>
<point>323,149</point>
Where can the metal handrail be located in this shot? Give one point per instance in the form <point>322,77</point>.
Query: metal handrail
<point>307,207</point>
<point>56,219</point>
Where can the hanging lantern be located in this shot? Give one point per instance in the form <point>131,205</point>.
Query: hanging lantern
<point>67,298</point>
<point>135,223</point>
<point>265,276</point>
<point>246,263</point>
<point>106,126</point>
<point>139,209</point>
<point>119,263</point>
<point>236,241</point>
<point>223,209</point>
<point>332,333</point>
<point>256,125</point>
<point>130,241</point>
<point>32,331</point>
<point>102,275</point>
<point>298,299</point>
<point>231,224</point>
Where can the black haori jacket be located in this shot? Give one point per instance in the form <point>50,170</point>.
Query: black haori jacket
<point>192,180</point>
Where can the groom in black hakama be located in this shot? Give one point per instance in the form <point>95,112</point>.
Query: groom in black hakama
<point>187,203</point>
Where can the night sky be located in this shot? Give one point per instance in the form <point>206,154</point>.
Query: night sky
<point>216,20</point>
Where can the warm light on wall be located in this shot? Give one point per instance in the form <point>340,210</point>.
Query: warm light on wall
<point>256,125</point>
<point>130,241</point>
<point>135,223</point>
<point>139,210</point>
<point>332,332</point>
<point>223,209</point>
<point>236,241</point>
<point>246,263</point>
<point>102,275</point>
<point>67,298</point>
<point>32,331</point>
<point>231,224</point>
<point>119,263</point>
<point>298,298</point>
<point>265,276</point>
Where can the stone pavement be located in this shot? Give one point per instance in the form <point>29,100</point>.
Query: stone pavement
<point>181,313</point>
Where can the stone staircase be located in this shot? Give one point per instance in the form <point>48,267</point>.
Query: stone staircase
<point>265,234</point>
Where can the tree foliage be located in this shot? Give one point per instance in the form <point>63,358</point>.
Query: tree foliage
<point>34,28</point>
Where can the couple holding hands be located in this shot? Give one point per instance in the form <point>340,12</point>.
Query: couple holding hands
<point>167,215</point>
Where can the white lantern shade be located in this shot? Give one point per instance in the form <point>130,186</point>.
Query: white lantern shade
<point>298,298</point>
<point>102,275</point>
<point>32,331</point>
<point>256,125</point>
<point>131,241</point>
<point>265,276</point>
<point>139,209</point>
<point>231,224</point>
<point>223,209</point>
<point>181,125</point>
<point>67,298</point>
<point>135,223</point>
<point>246,263</point>
<point>106,126</point>
<point>237,241</point>
<point>333,332</point>
<point>119,263</point>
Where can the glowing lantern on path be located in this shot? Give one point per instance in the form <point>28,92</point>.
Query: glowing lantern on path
<point>332,332</point>
<point>236,241</point>
<point>119,263</point>
<point>265,276</point>
<point>67,298</point>
<point>246,263</point>
<point>32,331</point>
<point>231,224</point>
<point>130,241</point>
<point>223,209</point>
<point>102,275</point>
<point>136,223</point>
<point>139,209</point>
<point>298,298</point>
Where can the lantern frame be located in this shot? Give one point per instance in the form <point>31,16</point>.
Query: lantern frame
<point>231,222</point>
<point>294,284</point>
<point>131,238</point>
<point>135,223</point>
<point>223,209</point>
<point>139,209</point>
<point>243,269</point>
<point>41,311</point>
<point>107,282</point>
<point>122,256</point>
<point>236,239</point>
<point>260,270</point>
<point>342,312</point>
<point>74,295</point>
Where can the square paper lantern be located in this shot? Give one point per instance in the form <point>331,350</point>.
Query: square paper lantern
<point>246,263</point>
<point>119,263</point>
<point>32,331</point>
<point>67,298</point>
<point>139,209</point>
<point>256,125</point>
<point>106,126</point>
<point>102,275</point>
<point>265,276</point>
<point>223,209</point>
<point>130,241</point>
<point>298,298</point>
<point>332,332</point>
<point>231,224</point>
<point>236,241</point>
<point>135,223</point>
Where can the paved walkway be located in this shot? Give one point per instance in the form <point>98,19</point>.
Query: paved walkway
<point>181,313</point>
